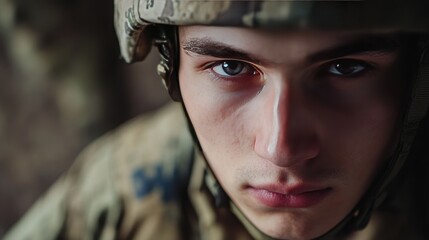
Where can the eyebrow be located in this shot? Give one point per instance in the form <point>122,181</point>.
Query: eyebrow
<point>209,47</point>
<point>371,44</point>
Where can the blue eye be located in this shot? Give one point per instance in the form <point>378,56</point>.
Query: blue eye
<point>347,67</point>
<point>233,68</point>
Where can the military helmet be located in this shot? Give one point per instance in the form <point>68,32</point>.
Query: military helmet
<point>141,23</point>
<point>134,17</point>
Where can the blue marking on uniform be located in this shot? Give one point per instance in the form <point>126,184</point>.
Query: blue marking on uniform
<point>166,183</point>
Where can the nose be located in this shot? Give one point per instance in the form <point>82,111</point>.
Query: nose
<point>286,132</point>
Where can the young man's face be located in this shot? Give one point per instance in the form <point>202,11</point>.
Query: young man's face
<point>293,124</point>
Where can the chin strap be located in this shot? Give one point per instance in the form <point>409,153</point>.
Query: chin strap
<point>417,110</point>
<point>418,104</point>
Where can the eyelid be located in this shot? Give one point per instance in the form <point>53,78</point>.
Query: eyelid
<point>373,58</point>
<point>217,61</point>
<point>358,61</point>
<point>348,58</point>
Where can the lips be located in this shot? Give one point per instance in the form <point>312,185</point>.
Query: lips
<point>275,196</point>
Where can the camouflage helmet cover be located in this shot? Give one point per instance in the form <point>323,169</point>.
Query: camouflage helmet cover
<point>132,17</point>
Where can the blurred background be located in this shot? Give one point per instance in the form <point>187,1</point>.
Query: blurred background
<point>62,84</point>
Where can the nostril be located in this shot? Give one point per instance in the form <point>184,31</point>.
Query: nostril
<point>287,152</point>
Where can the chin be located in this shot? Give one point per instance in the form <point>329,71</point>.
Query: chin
<point>290,228</point>
<point>280,234</point>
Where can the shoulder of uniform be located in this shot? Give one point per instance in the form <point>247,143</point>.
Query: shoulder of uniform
<point>147,142</point>
<point>142,160</point>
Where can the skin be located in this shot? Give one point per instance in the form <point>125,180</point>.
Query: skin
<point>289,119</point>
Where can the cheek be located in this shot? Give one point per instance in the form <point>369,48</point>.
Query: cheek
<point>223,126</point>
<point>363,136</point>
<point>217,121</point>
<point>377,123</point>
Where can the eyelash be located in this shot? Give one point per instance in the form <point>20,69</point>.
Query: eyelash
<point>250,69</point>
<point>359,67</point>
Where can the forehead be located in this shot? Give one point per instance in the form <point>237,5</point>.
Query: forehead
<point>283,45</point>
